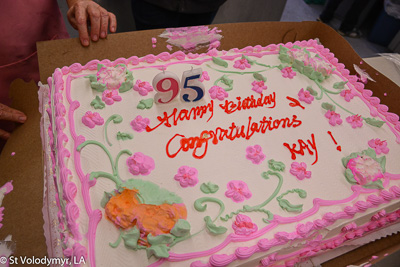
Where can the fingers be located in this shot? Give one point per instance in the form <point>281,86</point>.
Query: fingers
<point>4,135</point>
<point>10,114</point>
<point>82,12</point>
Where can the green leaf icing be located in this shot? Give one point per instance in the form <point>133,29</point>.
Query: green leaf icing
<point>209,188</point>
<point>128,84</point>
<point>350,176</point>
<point>212,228</point>
<point>374,185</point>
<point>251,61</point>
<point>328,106</point>
<point>114,118</point>
<point>286,205</point>
<point>259,77</point>
<point>181,228</point>
<point>276,165</point>
<point>105,199</point>
<point>151,193</point>
<point>145,103</point>
<point>131,238</point>
<point>339,85</point>
<point>159,251</point>
<point>160,239</point>
<point>124,136</point>
<point>374,122</point>
<point>312,91</point>
<point>220,62</point>
<point>97,103</point>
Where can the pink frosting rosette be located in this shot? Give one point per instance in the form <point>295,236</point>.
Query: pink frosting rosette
<point>305,96</point>
<point>242,64</point>
<point>379,146</point>
<point>356,121</point>
<point>288,72</point>
<point>204,77</point>
<point>258,86</point>
<point>143,88</point>
<point>139,124</point>
<point>365,169</point>
<point>92,119</point>
<point>217,92</point>
<point>347,94</point>
<point>237,191</point>
<point>334,118</point>
<point>255,154</point>
<point>112,77</point>
<point>186,176</point>
<point>111,96</point>
<point>299,170</point>
<point>140,164</point>
<point>243,225</point>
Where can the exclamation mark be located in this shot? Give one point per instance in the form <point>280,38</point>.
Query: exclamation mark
<point>339,148</point>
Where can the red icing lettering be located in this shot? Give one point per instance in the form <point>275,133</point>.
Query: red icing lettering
<point>232,133</point>
<point>294,102</point>
<point>249,103</point>
<point>184,114</point>
<point>309,145</point>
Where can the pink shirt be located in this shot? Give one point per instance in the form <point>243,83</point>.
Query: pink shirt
<point>22,24</point>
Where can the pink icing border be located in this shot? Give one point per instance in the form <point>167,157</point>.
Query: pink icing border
<point>376,109</point>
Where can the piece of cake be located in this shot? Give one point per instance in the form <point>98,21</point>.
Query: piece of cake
<point>255,156</point>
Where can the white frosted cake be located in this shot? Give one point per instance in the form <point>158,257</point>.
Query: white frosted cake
<point>256,156</point>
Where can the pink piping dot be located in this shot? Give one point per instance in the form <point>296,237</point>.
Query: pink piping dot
<point>12,153</point>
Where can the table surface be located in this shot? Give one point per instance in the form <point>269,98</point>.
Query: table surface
<point>23,206</point>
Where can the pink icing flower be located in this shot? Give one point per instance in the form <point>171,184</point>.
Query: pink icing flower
<point>258,86</point>
<point>109,96</point>
<point>355,121</point>
<point>92,119</point>
<point>288,72</point>
<point>347,94</point>
<point>334,118</point>
<point>112,77</point>
<point>379,146</point>
<point>242,64</point>
<point>299,55</point>
<point>255,154</point>
<point>305,96</point>
<point>139,124</point>
<point>243,225</point>
<point>217,92</point>
<point>142,87</point>
<point>300,170</point>
<point>204,77</point>
<point>140,164</point>
<point>238,191</point>
<point>365,169</point>
<point>186,176</point>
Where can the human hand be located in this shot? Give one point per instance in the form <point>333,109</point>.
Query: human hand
<point>10,114</point>
<point>85,13</point>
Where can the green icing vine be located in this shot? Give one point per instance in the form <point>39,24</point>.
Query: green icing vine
<point>114,118</point>
<point>286,205</point>
<point>209,188</point>
<point>145,104</point>
<point>259,208</point>
<point>200,206</point>
<point>97,103</point>
<point>225,80</point>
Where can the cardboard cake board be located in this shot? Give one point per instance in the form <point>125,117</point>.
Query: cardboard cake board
<point>23,217</point>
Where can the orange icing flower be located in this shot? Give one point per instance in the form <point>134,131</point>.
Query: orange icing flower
<point>126,211</point>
